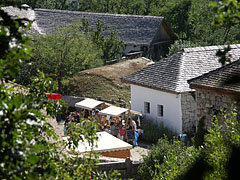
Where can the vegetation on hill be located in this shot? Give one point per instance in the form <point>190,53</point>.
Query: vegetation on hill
<point>64,53</point>
<point>93,85</point>
<point>29,147</point>
<point>68,51</point>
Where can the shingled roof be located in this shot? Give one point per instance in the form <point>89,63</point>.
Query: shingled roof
<point>171,74</point>
<point>133,29</point>
<point>225,78</point>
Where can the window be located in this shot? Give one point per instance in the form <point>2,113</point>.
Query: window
<point>146,107</point>
<point>160,110</point>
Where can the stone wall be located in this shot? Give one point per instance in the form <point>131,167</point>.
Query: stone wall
<point>189,105</point>
<point>210,101</point>
<point>71,100</point>
<point>127,168</point>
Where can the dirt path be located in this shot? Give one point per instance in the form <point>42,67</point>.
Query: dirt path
<point>121,69</point>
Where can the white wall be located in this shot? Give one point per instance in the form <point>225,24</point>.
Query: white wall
<point>172,115</point>
<point>129,48</point>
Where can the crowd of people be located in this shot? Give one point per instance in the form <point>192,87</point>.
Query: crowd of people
<point>116,126</point>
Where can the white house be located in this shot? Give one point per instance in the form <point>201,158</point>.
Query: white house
<point>161,92</point>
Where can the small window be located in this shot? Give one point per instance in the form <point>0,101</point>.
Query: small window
<point>146,107</point>
<point>160,110</point>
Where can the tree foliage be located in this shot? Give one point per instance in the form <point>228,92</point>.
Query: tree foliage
<point>65,53</point>
<point>29,147</point>
<point>179,45</point>
<point>47,4</point>
<point>110,44</point>
<point>167,160</point>
<point>215,158</point>
<point>226,12</point>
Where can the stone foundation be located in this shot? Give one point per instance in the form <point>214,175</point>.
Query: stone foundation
<point>209,102</point>
<point>189,105</point>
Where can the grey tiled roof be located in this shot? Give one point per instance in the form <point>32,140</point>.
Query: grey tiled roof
<point>133,29</point>
<point>136,30</point>
<point>172,73</point>
<point>224,78</point>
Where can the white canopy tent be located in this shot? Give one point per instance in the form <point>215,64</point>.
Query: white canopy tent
<point>88,104</point>
<point>106,142</point>
<point>113,111</point>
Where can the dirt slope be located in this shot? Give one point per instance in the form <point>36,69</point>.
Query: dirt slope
<point>116,71</point>
<point>105,81</point>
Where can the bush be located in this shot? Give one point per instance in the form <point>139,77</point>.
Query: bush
<point>167,160</point>
<point>201,132</point>
<point>216,155</point>
<point>153,131</point>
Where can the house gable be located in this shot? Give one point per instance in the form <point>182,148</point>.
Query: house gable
<point>217,90</point>
<point>172,73</point>
<point>163,34</point>
<point>225,79</point>
<point>170,76</point>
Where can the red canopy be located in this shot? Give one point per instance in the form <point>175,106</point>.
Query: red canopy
<point>53,95</point>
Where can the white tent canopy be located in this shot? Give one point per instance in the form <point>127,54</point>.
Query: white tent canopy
<point>106,142</point>
<point>88,104</point>
<point>113,111</point>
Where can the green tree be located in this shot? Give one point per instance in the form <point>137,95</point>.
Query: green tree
<point>179,45</point>
<point>24,152</point>
<point>227,15</point>
<point>65,53</point>
<point>167,160</point>
<point>203,31</point>
<point>215,158</point>
<point>111,46</point>
<point>29,148</point>
<point>226,12</point>
<point>175,13</point>
<point>46,4</point>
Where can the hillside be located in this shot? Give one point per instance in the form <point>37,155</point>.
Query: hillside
<point>105,81</point>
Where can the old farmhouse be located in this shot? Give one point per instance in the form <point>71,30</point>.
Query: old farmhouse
<point>217,90</point>
<point>161,92</point>
<point>149,35</point>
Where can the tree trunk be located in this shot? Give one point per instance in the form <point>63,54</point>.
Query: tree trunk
<point>59,81</point>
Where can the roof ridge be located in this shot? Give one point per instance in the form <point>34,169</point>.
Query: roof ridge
<point>215,70</point>
<point>105,14</point>
<point>210,48</point>
<point>180,71</point>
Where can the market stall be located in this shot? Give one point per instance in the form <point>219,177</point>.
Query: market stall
<point>88,104</point>
<point>120,121</point>
<point>113,111</point>
<point>117,121</point>
<point>91,105</point>
<point>106,145</point>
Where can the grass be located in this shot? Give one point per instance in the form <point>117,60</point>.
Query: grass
<point>92,85</point>
<point>152,131</point>
<point>104,81</point>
